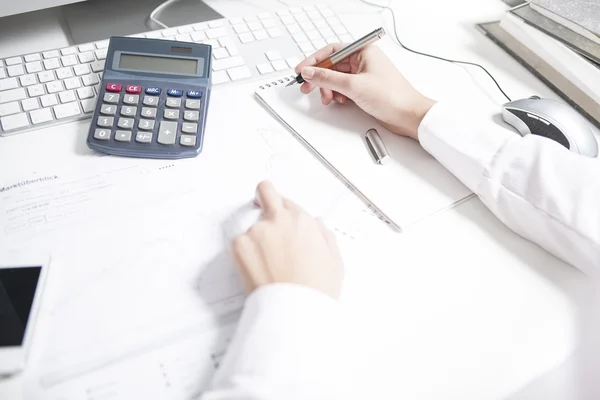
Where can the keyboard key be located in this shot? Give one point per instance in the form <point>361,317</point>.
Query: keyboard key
<point>263,16</point>
<point>146,124</point>
<point>49,100</point>
<point>333,21</point>
<point>12,95</point>
<point>300,37</point>
<point>30,104</point>
<point>72,83</point>
<point>273,55</point>
<point>281,13</point>
<point>51,63</point>
<point>288,20</point>
<point>89,105</point>
<point>212,42</point>
<point>82,69</point>
<point>54,87</point>
<point>294,29</point>
<point>167,132</point>
<point>185,29</point>
<point>153,35</point>
<point>220,53</point>
<point>125,123</point>
<point>319,43</point>
<point>28,80</point>
<point>123,136</point>
<point>193,115</point>
<point>216,33</point>
<point>131,99</point>
<point>86,47</point>
<point>246,37</point>
<point>171,114</point>
<point>326,32</point>
<point>327,13</point>
<point>187,140</point>
<point>50,54</point>
<point>153,90</point>
<point>306,47</point>
<point>313,15</point>
<point>332,39</point>
<point>269,23</point>
<point>321,24</point>
<point>198,36</point>
<point>97,66</point>
<point>340,30</point>
<point>114,87</point>
<point>216,24</point>
<point>64,73</point>
<point>33,67</point>
<point>265,68</point>
<point>102,134</point>
<point>68,51</point>
<point>108,109</point>
<point>189,127</point>
<point>219,77</point>
<point>9,83</point>
<point>233,50</point>
<point>150,101</point>
<point>301,17</point>
<point>9,108</point>
<point>250,18</point>
<point>41,116</point>
<point>231,62</point>
<point>235,21</point>
<point>85,93</point>
<point>174,92</point>
<point>148,112</point>
<point>46,76</point>
<point>261,35</point>
<point>292,61</point>
<point>102,44</point>
<point>241,28</point>
<point>279,65</point>
<point>310,8</point>
<point>2,73</point>
<point>15,121</point>
<point>194,94</point>
<point>111,98</point>
<point>133,89</point>
<point>37,90</point>
<point>143,137</point>
<point>101,54</point>
<point>67,96</point>
<point>15,70</point>
<point>255,25</point>
<point>295,10</point>
<point>202,26</point>
<point>105,122</point>
<point>67,110</point>
<point>68,61</point>
<point>128,111</point>
<point>192,104</point>
<point>169,32</point>
<point>184,37</point>
<point>33,57</point>
<point>313,35</point>
<point>346,38</point>
<point>13,61</point>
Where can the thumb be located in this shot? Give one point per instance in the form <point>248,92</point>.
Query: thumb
<point>329,79</point>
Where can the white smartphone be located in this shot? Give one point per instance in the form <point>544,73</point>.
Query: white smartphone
<point>22,278</point>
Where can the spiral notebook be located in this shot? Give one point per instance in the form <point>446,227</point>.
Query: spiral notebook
<point>411,186</point>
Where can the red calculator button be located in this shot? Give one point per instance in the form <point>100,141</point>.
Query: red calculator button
<point>133,89</point>
<point>114,87</point>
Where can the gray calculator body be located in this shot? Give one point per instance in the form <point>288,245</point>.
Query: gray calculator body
<point>153,99</point>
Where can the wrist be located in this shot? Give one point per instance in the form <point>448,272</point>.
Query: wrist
<point>417,113</point>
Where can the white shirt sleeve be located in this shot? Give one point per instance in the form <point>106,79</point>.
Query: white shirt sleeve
<point>285,347</point>
<point>538,188</point>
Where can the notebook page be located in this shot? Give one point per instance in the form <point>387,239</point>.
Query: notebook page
<point>409,187</point>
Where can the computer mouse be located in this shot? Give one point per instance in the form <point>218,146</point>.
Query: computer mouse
<point>554,120</point>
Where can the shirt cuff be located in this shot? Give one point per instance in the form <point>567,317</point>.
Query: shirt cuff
<point>287,336</point>
<point>463,140</point>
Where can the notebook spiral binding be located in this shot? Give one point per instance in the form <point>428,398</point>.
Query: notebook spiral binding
<point>277,82</point>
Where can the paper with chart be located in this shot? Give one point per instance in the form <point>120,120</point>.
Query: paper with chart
<point>140,247</point>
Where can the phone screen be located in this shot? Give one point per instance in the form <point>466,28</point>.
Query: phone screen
<point>17,290</point>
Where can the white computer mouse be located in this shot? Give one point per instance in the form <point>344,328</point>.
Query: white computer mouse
<point>554,120</point>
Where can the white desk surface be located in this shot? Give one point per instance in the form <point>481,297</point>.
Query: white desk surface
<point>509,315</point>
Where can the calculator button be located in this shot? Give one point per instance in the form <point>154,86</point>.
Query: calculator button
<point>146,124</point>
<point>188,140</point>
<point>148,112</point>
<point>192,104</point>
<point>105,122</point>
<point>189,127</point>
<point>131,99</point>
<point>125,123</point>
<point>108,109</point>
<point>175,92</point>
<point>143,137</point>
<point>133,89</point>
<point>128,111</point>
<point>171,114</point>
<point>167,132</point>
<point>123,136</point>
<point>150,101</point>
<point>111,98</point>
<point>102,134</point>
<point>114,87</point>
<point>194,94</point>
<point>153,90</point>
<point>191,115</point>
<point>174,103</point>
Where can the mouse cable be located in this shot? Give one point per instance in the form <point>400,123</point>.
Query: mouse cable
<point>157,10</point>
<point>387,7</point>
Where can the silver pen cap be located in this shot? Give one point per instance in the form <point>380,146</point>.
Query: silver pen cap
<point>376,146</point>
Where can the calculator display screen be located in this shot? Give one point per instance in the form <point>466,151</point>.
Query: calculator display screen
<point>165,65</point>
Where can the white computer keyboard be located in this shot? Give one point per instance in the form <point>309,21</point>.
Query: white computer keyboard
<point>58,86</point>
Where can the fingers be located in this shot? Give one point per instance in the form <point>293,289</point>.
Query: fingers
<point>326,96</point>
<point>320,55</point>
<point>248,258</point>
<point>329,79</point>
<point>268,199</point>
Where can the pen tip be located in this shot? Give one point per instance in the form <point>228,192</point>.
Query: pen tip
<point>290,84</point>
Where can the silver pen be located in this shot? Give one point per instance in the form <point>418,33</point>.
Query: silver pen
<point>376,146</point>
<point>346,52</point>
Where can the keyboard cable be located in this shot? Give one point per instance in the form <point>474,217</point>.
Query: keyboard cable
<point>157,10</point>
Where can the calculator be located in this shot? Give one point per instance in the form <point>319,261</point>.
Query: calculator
<point>153,99</point>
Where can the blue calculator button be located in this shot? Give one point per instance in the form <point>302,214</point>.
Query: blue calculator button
<point>153,90</point>
<point>175,92</point>
<point>194,94</point>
